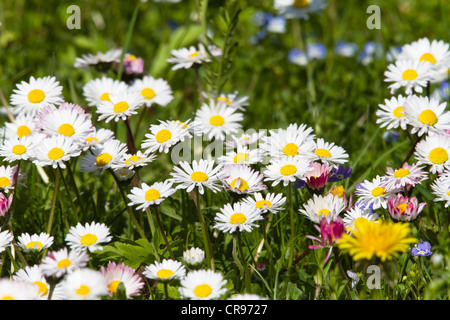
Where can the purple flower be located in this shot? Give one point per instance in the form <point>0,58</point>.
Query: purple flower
<point>5,204</point>
<point>422,249</point>
<point>340,173</point>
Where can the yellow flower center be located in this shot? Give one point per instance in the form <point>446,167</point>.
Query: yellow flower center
<point>132,57</point>
<point>163,135</point>
<point>261,203</point>
<point>199,176</point>
<point>121,106</point>
<point>193,55</point>
<point>338,191</point>
<point>398,112</point>
<point>239,157</point>
<point>202,290</point>
<point>301,4</point>
<point>378,191</point>
<point>113,286</point>
<point>291,149</point>
<point>438,155</point>
<point>88,239</point>
<point>103,159</point>
<point>19,149</point>
<point>7,298</point>
<point>55,153</point>
<point>83,290</point>
<point>42,287</point>
<point>66,130</point>
<point>133,159</point>
<point>105,97</point>
<point>400,173</point>
<point>288,170</point>
<point>4,182</point>
<point>89,140</point>
<point>23,131</point>
<point>428,117</point>
<point>148,93</point>
<point>409,74</point>
<point>224,99</point>
<point>217,120</point>
<point>64,263</point>
<point>34,244</point>
<point>323,212</point>
<point>428,57</point>
<point>238,218</point>
<point>322,153</point>
<point>152,194</point>
<point>402,207</point>
<point>164,273</point>
<point>243,185</point>
<point>36,96</point>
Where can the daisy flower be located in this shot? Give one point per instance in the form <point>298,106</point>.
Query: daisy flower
<point>426,115</point>
<point>132,65</point>
<point>116,274</point>
<point>243,156</point>
<point>193,256</point>
<point>98,137</point>
<point>137,160</point>
<point>165,135</point>
<point>357,213</point>
<point>89,236</point>
<point>402,208</point>
<point>373,193</point>
<point>242,179</point>
<point>287,169</point>
<point>298,9</point>
<point>18,290</point>
<point>437,53</point>
<point>98,90</point>
<point>5,239</point>
<point>391,114</point>
<point>34,276</point>
<point>201,174</point>
<point>270,203</point>
<point>245,139</point>
<point>17,149</point>
<point>153,91</point>
<point>23,126</point>
<point>30,97</point>
<point>146,195</point>
<point>103,157</point>
<point>232,100</point>
<point>413,75</point>
<point>434,152</point>
<point>55,151</point>
<point>441,189</point>
<point>84,284</point>
<point>329,153</point>
<point>120,106</point>
<point>165,271</point>
<point>318,207</point>
<point>8,177</point>
<point>382,239</point>
<point>69,120</point>
<point>187,57</point>
<point>58,263</point>
<point>406,176</point>
<point>293,141</point>
<point>240,217</point>
<point>317,178</point>
<point>202,285</point>
<point>124,174</point>
<point>35,242</point>
<point>88,60</point>
<point>216,120</point>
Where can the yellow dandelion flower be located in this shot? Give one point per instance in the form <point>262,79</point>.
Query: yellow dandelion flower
<point>383,239</point>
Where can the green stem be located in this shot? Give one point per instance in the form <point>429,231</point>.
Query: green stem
<point>13,204</point>
<point>53,207</point>
<point>153,232</point>
<point>129,209</point>
<point>248,285</point>
<point>130,138</point>
<point>74,207</point>
<point>292,218</point>
<point>75,188</point>
<point>206,239</point>
<point>163,233</point>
